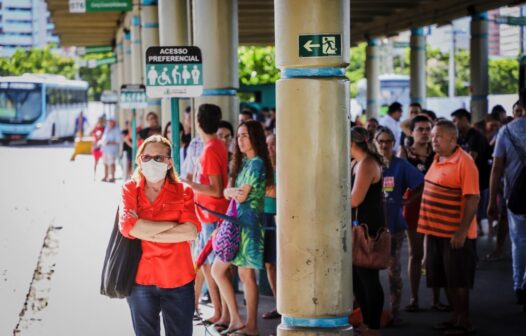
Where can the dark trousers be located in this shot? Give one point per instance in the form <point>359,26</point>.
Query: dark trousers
<point>369,295</point>
<point>176,304</point>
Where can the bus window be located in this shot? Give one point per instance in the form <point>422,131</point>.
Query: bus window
<point>20,105</point>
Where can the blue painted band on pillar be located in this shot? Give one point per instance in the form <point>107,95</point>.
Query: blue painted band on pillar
<point>136,20</point>
<point>417,47</point>
<point>219,92</point>
<point>373,42</point>
<point>479,16</point>
<point>127,35</point>
<point>417,31</point>
<point>312,72</point>
<point>138,41</point>
<point>149,2</point>
<point>416,99</point>
<point>479,97</point>
<point>480,36</point>
<point>324,322</point>
<point>119,45</point>
<point>154,102</point>
<point>371,101</point>
<point>150,25</point>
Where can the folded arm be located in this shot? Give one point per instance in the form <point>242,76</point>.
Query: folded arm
<point>163,232</point>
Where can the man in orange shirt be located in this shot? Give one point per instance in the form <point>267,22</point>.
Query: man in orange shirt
<point>447,216</point>
<point>209,181</point>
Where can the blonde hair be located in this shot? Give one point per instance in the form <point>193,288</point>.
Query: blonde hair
<point>171,174</point>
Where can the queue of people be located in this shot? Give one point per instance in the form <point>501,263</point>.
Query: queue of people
<point>430,180</point>
<point>449,175</point>
<point>221,169</point>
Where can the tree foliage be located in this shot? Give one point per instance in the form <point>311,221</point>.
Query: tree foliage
<point>39,61</point>
<point>99,78</point>
<point>46,61</point>
<point>257,65</point>
<point>356,69</point>
<point>503,75</point>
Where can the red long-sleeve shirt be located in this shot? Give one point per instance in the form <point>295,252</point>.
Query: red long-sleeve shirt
<point>166,265</point>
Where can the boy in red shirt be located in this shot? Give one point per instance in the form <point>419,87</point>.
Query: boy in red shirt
<point>210,179</point>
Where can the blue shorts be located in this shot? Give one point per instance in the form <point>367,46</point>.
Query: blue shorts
<point>206,232</point>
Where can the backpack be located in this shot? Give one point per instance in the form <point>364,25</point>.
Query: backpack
<point>516,202</point>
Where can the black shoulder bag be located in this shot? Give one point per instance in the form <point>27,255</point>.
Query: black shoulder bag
<point>120,264</point>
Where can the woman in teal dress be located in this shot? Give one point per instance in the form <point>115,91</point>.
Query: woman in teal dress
<point>252,172</point>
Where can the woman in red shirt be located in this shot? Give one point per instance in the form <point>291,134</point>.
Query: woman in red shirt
<point>158,209</point>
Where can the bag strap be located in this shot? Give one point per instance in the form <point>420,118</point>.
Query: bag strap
<point>517,148</point>
<point>218,214</point>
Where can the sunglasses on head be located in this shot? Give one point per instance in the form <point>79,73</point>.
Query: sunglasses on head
<point>156,158</point>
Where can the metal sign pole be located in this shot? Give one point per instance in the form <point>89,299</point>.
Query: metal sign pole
<point>134,137</point>
<point>175,134</point>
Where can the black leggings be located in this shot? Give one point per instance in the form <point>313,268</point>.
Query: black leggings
<point>369,295</point>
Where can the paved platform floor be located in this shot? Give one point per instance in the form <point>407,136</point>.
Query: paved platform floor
<point>493,307</point>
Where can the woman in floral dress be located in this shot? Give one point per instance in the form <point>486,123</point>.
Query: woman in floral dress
<point>252,172</point>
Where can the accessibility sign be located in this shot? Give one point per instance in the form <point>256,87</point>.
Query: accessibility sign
<point>174,72</point>
<point>133,96</point>
<point>320,45</point>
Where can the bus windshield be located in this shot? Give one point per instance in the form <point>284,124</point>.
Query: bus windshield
<point>20,103</point>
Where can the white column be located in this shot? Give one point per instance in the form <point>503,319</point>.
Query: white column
<point>314,232</point>
<point>372,68</point>
<point>173,31</point>
<point>418,67</point>
<point>150,38</point>
<point>478,66</point>
<point>216,33</point>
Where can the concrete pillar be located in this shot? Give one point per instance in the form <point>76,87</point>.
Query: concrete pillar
<point>173,31</point>
<point>314,231</point>
<point>478,66</point>
<point>216,33</point>
<point>119,54</point>
<point>127,57</point>
<point>150,38</point>
<point>372,68</point>
<point>417,79</point>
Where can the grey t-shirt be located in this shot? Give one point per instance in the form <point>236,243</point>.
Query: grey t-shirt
<point>504,148</point>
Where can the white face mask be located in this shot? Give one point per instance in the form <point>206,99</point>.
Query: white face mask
<point>154,171</point>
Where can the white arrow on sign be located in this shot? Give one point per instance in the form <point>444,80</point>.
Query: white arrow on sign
<point>309,45</point>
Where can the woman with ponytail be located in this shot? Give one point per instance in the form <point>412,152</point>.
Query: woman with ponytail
<point>367,203</point>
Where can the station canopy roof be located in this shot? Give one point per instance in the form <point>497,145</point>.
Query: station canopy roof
<point>369,19</point>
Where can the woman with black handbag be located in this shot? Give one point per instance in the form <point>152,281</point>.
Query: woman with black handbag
<point>158,209</point>
<point>368,207</point>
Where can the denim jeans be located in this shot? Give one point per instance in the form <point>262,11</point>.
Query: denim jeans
<point>517,225</point>
<point>176,305</point>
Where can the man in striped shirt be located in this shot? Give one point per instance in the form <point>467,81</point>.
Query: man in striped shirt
<point>447,217</point>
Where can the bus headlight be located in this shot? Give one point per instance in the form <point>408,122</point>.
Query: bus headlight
<point>39,125</point>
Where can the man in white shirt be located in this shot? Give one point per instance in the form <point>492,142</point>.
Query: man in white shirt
<point>392,121</point>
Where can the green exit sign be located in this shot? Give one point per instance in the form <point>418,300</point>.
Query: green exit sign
<point>320,45</point>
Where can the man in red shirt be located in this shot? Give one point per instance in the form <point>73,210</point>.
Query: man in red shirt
<point>209,181</point>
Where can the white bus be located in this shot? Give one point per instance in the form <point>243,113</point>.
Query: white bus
<point>40,107</point>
